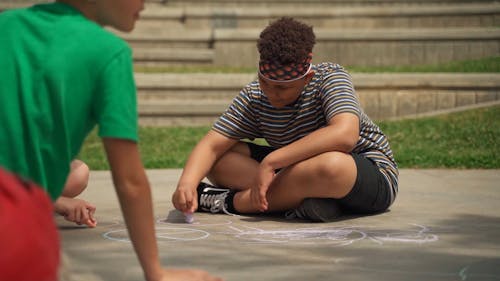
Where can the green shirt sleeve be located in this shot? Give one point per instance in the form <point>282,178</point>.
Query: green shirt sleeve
<point>116,99</point>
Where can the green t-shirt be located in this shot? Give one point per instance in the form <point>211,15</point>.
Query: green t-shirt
<point>60,75</point>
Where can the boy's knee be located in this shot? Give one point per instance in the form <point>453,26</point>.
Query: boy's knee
<point>79,165</point>
<point>333,164</point>
<point>81,173</point>
<point>77,179</point>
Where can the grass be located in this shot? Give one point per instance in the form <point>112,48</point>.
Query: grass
<point>491,64</point>
<point>468,139</point>
<point>461,140</point>
<point>161,147</point>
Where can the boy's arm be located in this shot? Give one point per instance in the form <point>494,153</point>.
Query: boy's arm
<point>134,194</point>
<point>341,134</point>
<point>208,150</point>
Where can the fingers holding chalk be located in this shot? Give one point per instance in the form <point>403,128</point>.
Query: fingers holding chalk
<point>189,217</point>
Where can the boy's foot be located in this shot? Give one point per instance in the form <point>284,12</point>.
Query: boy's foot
<point>316,209</point>
<point>212,199</point>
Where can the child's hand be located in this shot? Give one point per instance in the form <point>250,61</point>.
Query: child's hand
<point>185,199</point>
<point>187,275</point>
<point>259,190</point>
<point>76,210</point>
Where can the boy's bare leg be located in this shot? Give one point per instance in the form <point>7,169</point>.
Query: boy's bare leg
<point>78,179</point>
<point>74,209</point>
<point>236,169</point>
<point>328,175</point>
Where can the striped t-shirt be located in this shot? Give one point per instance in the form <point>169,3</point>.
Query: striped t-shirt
<point>330,92</point>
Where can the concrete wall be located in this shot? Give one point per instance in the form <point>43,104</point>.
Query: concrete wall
<point>174,99</point>
<point>432,15</point>
<point>305,3</point>
<point>379,47</point>
<point>392,96</point>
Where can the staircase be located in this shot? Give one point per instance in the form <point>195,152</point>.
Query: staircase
<point>359,32</point>
<point>349,32</point>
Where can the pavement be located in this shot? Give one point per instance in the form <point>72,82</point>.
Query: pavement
<point>444,225</point>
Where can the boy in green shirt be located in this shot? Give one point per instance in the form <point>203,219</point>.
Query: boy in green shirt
<point>63,74</point>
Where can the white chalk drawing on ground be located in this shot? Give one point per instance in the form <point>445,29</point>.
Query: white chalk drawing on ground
<point>488,269</point>
<point>332,235</point>
<point>163,234</point>
<point>196,222</point>
<point>325,234</point>
<point>337,235</point>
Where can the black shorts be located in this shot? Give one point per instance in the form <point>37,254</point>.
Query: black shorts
<point>370,193</point>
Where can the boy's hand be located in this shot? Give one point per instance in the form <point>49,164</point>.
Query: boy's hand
<point>76,210</point>
<point>185,199</point>
<point>186,275</point>
<point>259,190</point>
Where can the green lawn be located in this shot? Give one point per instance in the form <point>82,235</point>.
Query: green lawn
<point>460,140</point>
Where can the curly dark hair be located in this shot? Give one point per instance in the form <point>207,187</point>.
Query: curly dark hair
<point>286,41</point>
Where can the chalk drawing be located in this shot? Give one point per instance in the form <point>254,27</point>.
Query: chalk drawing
<point>340,236</point>
<point>421,236</point>
<point>198,222</point>
<point>163,234</point>
<point>482,270</point>
<point>243,233</point>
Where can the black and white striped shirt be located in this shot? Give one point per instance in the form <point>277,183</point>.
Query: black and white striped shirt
<point>330,92</point>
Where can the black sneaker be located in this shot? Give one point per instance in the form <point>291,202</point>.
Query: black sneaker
<point>316,209</point>
<point>212,199</point>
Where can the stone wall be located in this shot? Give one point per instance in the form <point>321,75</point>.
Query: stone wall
<point>173,99</point>
<point>379,47</point>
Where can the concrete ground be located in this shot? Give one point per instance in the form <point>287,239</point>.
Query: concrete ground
<point>444,225</point>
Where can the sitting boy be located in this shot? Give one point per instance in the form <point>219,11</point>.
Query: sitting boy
<point>325,155</point>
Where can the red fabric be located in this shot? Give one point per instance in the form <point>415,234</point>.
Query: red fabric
<point>29,241</point>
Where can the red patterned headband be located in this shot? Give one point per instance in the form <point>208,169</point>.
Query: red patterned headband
<point>276,72</point>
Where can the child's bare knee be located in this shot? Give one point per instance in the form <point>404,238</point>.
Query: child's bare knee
<point>332,164</point>
<point>77,179</point>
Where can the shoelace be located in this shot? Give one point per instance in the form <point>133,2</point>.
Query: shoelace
<point>215,202</point>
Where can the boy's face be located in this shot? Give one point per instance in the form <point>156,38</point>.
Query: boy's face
<point>120,14</point>
<point>281,94</point>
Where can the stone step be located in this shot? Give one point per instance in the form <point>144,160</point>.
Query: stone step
<point>430,15</point>
<point>198,99</point>
<point>10,4</point>
<point>302,3</point>
<point>175,108</point>
<point>365,47</point>
<point>172,56</point>
<point>160,17</point>
<point>354,47</point>
<point>191,86</point>
<point>178,38</point>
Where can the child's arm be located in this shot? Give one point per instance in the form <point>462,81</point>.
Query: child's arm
<point>200,161</point>
<point>341,134</point>
<point>134,194</point>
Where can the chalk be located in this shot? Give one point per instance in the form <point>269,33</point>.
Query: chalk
<point>188,217</point>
